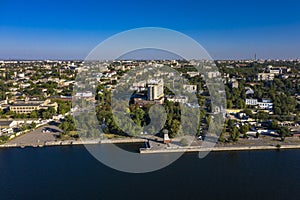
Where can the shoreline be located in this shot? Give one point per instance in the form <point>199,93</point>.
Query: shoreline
<point>219,149</point>
<point>154,151</point>
<point>73,142</point>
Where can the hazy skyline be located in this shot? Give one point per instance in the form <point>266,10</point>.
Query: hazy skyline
<point>226,29</point>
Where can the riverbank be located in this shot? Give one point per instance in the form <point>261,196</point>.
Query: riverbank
<point>40,138</point>
<point>154,150</point>
<point>73,142</point>
<point>223,148</point>
<point>153,144</point>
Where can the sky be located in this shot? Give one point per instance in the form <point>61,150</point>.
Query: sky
<point>34,29</point>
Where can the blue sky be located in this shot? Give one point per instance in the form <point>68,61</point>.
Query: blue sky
<point>226,29</point>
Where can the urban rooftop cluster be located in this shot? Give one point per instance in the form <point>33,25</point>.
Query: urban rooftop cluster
<point>262,96</point>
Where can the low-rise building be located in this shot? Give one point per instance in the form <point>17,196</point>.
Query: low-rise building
<point>213,74</point>
<point>27,106</point>
<point>265,105</point>
<point>24,107</point>
<point>190,88</point>
<point>265,76</point>
<point>193,74</point>
<point>6,126</point>
<point>86,94</point>
<point>179,99</point>
<point>251,102</point>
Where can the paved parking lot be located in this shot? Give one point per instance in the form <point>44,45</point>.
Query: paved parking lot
<point>37,136</point>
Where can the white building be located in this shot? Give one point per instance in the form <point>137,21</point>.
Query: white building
<point>87,94</point>
<point>266,104</point>
<point>193,74</point>
<point>265,76</point>
<point>155,89</point>
<point>190,88</point>
<point>251,102</point>
<point>179,99</point>
<point>213,74</point>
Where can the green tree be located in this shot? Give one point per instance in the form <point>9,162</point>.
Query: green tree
<point>34,114</point>
<point>51,110</point>
<point>63,107</point>
<point>222,138</point>
<point>24,127</point>
<point>262,115</point>
<point>234,134</point>
<point>174,129</point>
<point>138,115</point>
<point>274,125</point>
<point>3,138</point>
<point>283,132</point>
<point>46,115</point>
<point>244,130</point>
<point>248,112</point>
<point>241,104</point>
<point>68,124</point>
<point>32,125</point>
<point>229,104</point>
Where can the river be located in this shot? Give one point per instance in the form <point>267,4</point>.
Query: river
<point>70,172</point>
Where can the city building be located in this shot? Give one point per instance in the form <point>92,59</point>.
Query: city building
<point>7,123</point>
<point>155,90</point>
<point>6,126</point>
<point>266,104</point>
<point>277,70</point>
<point>27,106</point>
<point>193,74</point>
<point>265,76</point>
<point>86,94</point>
<point>179,99</point>
<point>251,102</point>
<point>213,74</point>
<point>190,88</point>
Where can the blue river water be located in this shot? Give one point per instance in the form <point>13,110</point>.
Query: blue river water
<point>70,172</point>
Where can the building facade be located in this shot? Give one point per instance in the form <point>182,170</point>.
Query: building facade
<point>27,106</point>
<point>251,102</point>
<point>155,90</point>
<point>265,76</point>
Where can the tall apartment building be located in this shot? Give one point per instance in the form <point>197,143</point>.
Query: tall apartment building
<point>155,90</point>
